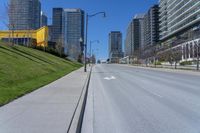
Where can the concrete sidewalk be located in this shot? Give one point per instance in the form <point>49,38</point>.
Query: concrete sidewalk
<point>46,110</point>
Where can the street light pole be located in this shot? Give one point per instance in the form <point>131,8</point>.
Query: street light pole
<point>91,42</point>
<point>86,34</point>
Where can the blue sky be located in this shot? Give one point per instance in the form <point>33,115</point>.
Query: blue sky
<point>119,14</point>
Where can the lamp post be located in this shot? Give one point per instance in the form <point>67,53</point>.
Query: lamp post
<point>86,34</point>
<point>91,42</point>
<point>95,53</point>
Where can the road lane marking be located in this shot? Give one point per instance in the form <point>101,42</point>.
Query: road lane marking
<point>155,94</point>
<point>110,78</point>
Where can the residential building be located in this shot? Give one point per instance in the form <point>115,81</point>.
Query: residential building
<point>141,29</point>
<point>73,30</point>
<point>180,26</point>
<point>151,26</point>
<point>24,14</point>
<point>115,46</point>
<point>135,36</point>
<point>128,48</point>
<point>163,18</point>
<point>43,20</point>
<point>151,32</point>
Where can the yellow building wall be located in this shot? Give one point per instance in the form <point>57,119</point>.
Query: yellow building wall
<point>18,34</point>
<point>41,35</point>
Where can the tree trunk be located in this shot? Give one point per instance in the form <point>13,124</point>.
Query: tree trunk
<point>175,65</point>
<point>146,63</point>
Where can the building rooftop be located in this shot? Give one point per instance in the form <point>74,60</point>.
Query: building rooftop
<point>137,16</point>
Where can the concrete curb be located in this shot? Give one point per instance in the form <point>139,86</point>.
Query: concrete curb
<point>78,115</point>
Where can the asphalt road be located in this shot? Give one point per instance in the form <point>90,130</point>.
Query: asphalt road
<point>124,99</point>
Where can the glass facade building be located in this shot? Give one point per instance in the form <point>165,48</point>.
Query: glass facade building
<point>135,35</point>
<point>24,14</point>
<point>57,25</point>
<point>73,30</point>
<point>115,46</point>
<point>43,20</point>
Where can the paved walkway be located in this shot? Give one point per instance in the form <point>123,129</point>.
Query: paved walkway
<point>46,110</point>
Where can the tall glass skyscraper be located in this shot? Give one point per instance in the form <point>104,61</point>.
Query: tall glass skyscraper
<point>24,14</point>
<point>57,26</point>
<point>73,24</point>
<point>115,46</point>
<point>43,20</point>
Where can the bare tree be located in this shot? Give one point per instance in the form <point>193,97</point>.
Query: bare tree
<point>135,57</point>
<point>176,55</point>
<point>155,56</point>
<point>172,55</point>
<point>59,46</point>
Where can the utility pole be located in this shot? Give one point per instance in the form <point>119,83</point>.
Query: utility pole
<point>91,42</point>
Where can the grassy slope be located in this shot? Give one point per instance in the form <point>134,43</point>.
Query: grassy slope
<point>23,70</point>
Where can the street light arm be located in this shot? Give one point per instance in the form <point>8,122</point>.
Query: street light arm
<point>92,15</point>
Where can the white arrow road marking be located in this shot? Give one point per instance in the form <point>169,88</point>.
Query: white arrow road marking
<point>110,78</point>
<point>107,78</point>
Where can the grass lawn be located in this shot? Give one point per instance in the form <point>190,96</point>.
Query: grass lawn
<point>23,70</point>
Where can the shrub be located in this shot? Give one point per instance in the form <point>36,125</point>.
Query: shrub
<point>186,63</point>
<point>158,63</point>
